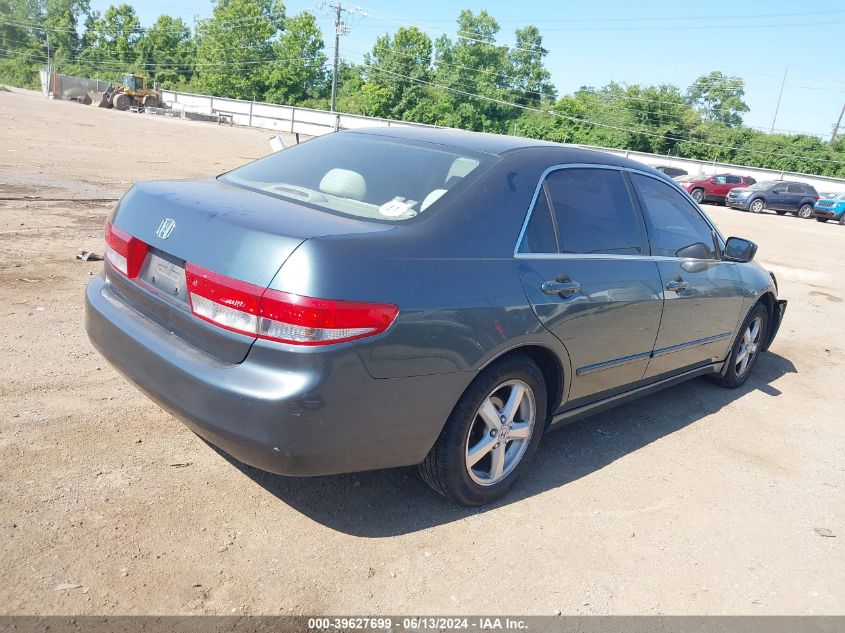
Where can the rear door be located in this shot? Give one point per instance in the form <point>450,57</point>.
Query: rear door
<point>731,182</point>
<point>778,198</point>
<point>586,271</point>
<point>797,195</point>
<point>703,295</point>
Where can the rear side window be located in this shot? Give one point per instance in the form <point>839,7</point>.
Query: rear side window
<point>733,180</point>
<point>593,212</point>
<point>674,224</point>
<point>795,189</point>
<point>540,235</point>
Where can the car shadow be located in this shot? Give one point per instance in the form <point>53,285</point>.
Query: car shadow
<point>392,502</point>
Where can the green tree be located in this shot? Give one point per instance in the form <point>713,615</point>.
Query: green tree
<point>166,51</point>
<point>22,51</point>
<point>718,97</point>
<point>61,19</point>
<point>235,45</point>
<point>398,70</point>
<point>298,72</point>
<point>473,65</point>
<point>530,82</point>
<point>110,40</point>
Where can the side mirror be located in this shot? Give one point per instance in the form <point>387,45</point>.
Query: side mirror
<point>740,250</point>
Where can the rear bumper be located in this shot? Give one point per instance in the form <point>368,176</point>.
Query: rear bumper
<point>287,412</point>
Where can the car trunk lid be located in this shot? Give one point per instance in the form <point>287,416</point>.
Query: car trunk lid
<point>220,227</point>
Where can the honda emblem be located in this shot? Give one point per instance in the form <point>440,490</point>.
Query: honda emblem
<point>165,228</point>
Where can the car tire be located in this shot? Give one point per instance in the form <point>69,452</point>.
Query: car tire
<point>697,195</point>
<point>821,219</point>
<point>448,468</point>
<point>757,205</point>
<point>781,212</point>
<point>842,219</point>
<point>751,342</point>
<point>805,211</point>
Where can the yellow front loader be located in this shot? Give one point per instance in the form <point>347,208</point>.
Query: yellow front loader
<point>133,91</point>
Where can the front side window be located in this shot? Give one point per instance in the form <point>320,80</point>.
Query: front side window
<point>593,212</point>
<point>721,180</point>
<point>362,175</point>
<point>675,226</point>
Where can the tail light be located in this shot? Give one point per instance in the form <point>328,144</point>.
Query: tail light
<point>280,316</point>
<point>125,253</point>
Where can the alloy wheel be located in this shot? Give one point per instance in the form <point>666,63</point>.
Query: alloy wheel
<point>805,212</point>
<point>757,206</point>
<point>748,345</point>
<point>500,432</point>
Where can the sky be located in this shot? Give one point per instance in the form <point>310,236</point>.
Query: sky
<point>593,42</point>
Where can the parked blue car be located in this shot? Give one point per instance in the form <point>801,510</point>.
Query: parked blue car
<point>780,196</point>
<point>831,207</point>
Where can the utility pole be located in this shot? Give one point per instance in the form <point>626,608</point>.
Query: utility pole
<point>341,27</point>
<point>49,66</point>
<point>838,124</point>
<point>777,105</point>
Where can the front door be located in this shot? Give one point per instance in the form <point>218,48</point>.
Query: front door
<point>585,269</point>
<point>719,186</point>
<point>703,295</point>
<point>779,198</point>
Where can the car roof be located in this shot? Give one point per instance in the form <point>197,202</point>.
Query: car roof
<point>500,144</point>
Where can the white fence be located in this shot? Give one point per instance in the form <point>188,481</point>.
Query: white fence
<point>310,122</point>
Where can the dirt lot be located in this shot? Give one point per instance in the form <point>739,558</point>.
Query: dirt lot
<point>696,500</point>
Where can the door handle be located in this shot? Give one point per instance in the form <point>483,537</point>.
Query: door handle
<point>678,285</point>
<point>563,288</point>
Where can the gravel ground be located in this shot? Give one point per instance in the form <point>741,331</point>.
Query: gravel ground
<point>696,500</point>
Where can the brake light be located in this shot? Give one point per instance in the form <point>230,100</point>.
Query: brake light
<point>125,253</point>
<point>280,316</point>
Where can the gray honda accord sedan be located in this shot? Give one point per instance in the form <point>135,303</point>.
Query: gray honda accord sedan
<point>394,297</point>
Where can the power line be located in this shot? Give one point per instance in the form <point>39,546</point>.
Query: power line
<point>595,123</point>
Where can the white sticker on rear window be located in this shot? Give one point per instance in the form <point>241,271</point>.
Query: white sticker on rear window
<point>397,207</point>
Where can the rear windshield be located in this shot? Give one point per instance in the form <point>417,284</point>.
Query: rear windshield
<point>362,175</point>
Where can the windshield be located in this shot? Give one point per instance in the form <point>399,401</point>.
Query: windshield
<point>759,186</point>
<point>836,196</point>
<point>362,175</point>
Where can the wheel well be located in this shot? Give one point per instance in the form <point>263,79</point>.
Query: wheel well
<point>768,300</point>
<point>551,369</point>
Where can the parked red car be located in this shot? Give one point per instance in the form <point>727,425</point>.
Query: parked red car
<point>715,188</point>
